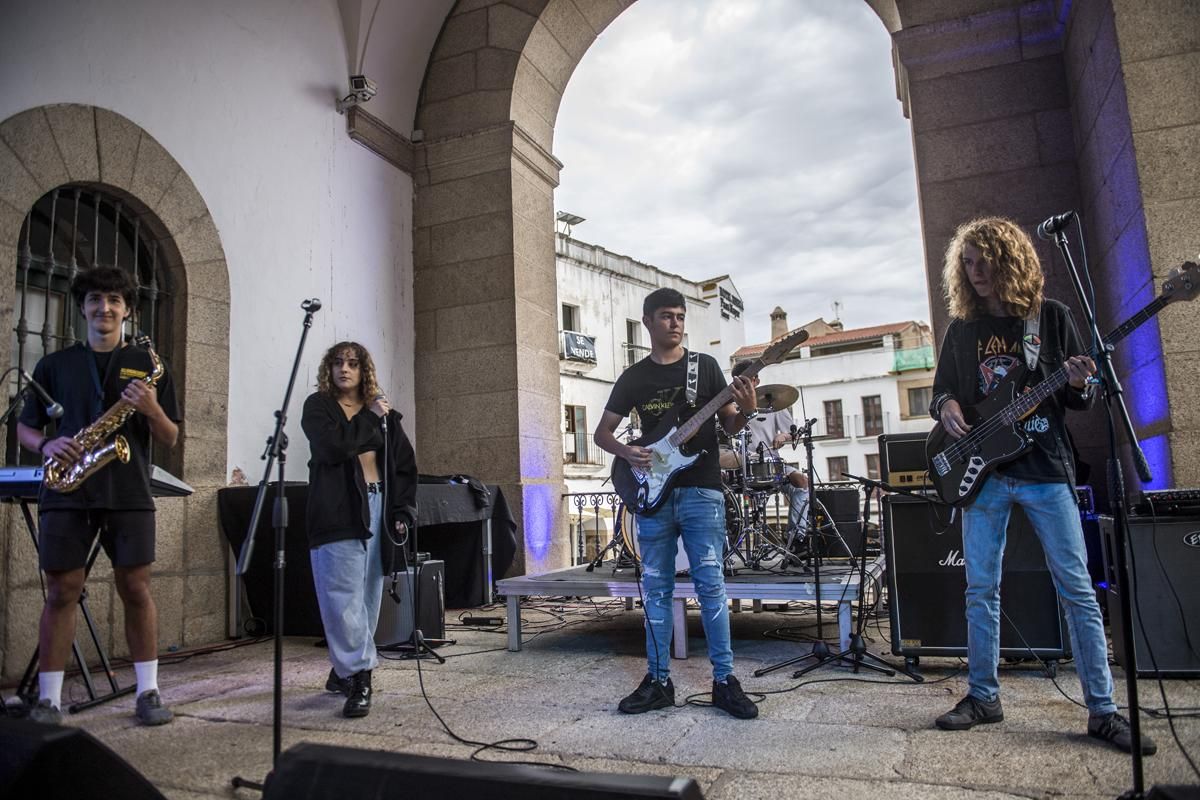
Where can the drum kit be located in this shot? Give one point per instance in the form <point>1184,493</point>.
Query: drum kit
<point>757,495</point>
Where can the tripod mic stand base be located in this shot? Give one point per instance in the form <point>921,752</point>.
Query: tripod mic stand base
<point>820,651</point>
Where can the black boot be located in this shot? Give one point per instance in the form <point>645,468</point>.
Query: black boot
<point>358,703</point>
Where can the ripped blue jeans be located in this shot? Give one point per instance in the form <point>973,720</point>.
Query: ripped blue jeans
<point>698,515</point>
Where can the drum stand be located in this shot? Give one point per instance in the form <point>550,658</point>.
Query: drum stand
<point>622,558</point>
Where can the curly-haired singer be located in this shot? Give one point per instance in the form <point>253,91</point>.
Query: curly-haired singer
<point>347,421</point>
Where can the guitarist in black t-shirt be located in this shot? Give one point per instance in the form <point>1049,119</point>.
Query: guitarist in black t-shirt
<point>1001,327</point>
<point>691,505</point>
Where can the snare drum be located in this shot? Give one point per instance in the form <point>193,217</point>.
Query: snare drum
<point>766,472</point>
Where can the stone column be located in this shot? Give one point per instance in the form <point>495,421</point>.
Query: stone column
<point>486,333</point>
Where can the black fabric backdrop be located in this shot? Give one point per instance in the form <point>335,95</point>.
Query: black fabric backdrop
<point>449,528</point>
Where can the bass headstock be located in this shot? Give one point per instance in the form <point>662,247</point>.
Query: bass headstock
<point>1183,283</point>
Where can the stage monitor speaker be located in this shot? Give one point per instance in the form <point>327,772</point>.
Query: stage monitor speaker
<point>1165,562</point>
<point>396,614</point>
<point>44,761</point>
<point>840,504</point>
<point>902,461</point>
<point>314,770</point>
<point>927,582</point>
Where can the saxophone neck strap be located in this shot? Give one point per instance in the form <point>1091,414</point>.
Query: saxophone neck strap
<point>99,383</point>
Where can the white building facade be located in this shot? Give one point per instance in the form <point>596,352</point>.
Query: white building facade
<point>600,298</point>
<point>858,384</point>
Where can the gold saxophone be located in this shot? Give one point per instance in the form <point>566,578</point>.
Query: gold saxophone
<point>97,451</point>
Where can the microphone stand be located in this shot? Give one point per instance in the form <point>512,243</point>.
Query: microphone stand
<point>276,451</point>
<point>820,649</point>
<point>857,650</point>
<point>1115,404</point>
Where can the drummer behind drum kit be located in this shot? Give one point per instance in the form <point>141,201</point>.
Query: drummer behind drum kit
<point>756,489</point>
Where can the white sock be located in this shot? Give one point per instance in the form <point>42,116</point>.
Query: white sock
<point>147,675</point>
<point>50,687</point>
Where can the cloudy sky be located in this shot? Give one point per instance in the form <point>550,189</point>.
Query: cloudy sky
<point>759,138</point>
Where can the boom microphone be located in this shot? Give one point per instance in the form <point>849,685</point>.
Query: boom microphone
<point>1052,225</point>
<point>54,410</point>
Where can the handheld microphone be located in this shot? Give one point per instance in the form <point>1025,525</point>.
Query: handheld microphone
<point>311,306</point>
<point>1054,224</point>
<point>383,419</point>
<point>54,410</point>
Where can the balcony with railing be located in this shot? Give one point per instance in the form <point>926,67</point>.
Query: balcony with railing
<point>868,427</point>
<point>580,449</point>
<point>913,358</point>
<point>633,353</point>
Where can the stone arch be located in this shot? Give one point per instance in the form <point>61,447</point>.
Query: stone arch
<point>483,241</point>
<point>56,145</point>
<point>1001,92</point>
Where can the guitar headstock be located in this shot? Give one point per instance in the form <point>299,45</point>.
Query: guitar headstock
<point>1183,283</point>
<point>776,352</point>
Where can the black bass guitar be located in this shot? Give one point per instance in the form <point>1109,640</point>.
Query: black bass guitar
<point>643,491</point>
<point>957,467</point>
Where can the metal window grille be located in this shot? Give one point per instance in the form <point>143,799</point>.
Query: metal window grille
<point>68,230</point>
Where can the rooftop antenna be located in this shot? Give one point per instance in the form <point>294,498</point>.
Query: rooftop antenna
<point>837,309</point>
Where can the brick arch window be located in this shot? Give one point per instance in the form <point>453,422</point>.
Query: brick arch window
<point>68,230</point>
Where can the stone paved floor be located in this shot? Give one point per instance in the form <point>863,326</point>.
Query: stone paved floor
<point>833,735</point>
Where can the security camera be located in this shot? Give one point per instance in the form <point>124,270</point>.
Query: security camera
<point>362,89</point>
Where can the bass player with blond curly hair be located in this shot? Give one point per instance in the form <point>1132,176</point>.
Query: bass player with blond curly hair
<point>347,421</point>
<point>1001,324</point>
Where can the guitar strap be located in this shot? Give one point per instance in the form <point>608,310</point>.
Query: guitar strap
<point>693,378</point>
<point>1032,341</point>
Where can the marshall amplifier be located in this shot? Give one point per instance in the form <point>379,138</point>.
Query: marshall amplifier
<point>927,582</point>
<point>1165,560</point>
<point>902,460</point>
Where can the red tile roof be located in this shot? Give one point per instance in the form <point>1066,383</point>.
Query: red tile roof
<point>841,337</point>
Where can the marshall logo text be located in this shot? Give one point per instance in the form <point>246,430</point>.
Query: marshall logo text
<point>953,559</point>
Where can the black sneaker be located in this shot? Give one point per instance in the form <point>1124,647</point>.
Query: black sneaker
<point>729,697</point>
<point>1115,728</point>
<point>649,695</point>
<point>335,684</point>
<point>969,712</point>
<point>358,702</point>
<point>45,712</point>
<point>150,709</point>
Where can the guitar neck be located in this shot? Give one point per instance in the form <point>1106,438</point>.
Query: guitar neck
<point>689,429</point>
<point>1056,380</point>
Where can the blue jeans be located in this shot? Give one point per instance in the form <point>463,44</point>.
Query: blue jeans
<point>1052,510</point>
<point>349,580</point>
<point>698,515</point>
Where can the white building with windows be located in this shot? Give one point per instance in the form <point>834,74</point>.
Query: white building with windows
<point>857,383</point>
<point>600,298</point>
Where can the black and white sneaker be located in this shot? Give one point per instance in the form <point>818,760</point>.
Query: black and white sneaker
<point>969,712</point>
<point>45,712</point>
<point>729,697</point>
<point>1115,728</point>
<point>649,695</point>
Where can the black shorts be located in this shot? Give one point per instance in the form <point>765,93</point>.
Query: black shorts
<point>65,537</point>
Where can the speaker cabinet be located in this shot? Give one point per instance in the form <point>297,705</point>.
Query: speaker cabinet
<point>396,613</point>
<point>48,761</point>
<point>313,770</point>
<point>840,505</point>
<point>927,582</point>
<point>1165,560</point>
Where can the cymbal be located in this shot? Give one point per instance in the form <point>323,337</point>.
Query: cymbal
<point>776,395</point>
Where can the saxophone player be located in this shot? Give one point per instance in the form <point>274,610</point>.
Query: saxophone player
<point>115,503</point>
